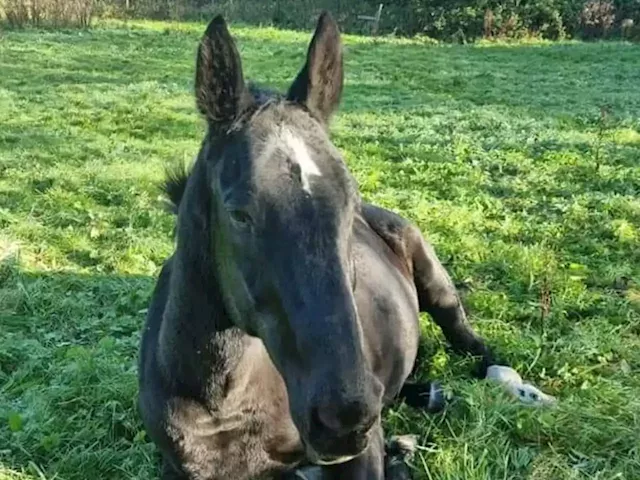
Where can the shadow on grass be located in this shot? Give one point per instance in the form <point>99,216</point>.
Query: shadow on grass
<point>68,361</point>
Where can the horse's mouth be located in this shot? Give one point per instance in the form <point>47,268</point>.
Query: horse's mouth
<point>334,451</point>
<point>334,461</point>
<point>317,459</point>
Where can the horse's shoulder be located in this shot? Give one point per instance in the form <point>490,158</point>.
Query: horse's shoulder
<point>384,233</point>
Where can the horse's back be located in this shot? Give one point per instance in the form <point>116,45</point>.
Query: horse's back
<point>387,307</point>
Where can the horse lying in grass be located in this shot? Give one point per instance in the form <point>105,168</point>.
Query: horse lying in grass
<point>288,315</point>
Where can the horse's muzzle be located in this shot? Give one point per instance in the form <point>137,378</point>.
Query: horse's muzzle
<point>334,461</point>
<point>327,446</point>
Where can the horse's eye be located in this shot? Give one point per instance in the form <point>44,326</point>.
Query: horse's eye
<point>240,217</point>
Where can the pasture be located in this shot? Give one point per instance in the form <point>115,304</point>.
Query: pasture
<point>520,162</point>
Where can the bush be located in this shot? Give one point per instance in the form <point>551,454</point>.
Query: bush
<point>56,13</point>
<point>491,19</point>
<point>597,18</point>
<point>441,19</point>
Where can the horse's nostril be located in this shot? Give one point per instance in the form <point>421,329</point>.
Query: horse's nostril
<point>345,418</point>
<point>323,418</point>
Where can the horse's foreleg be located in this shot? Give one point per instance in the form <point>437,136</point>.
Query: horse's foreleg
<point>169,472</point>
<point>437,294</point>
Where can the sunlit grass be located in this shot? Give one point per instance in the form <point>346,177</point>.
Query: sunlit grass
<point>500,153</point>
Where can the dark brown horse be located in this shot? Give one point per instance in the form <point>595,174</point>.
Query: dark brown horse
<point>288,315</point>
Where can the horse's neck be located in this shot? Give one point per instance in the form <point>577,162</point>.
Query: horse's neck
<point>196,343</point>
<point>195,350</point>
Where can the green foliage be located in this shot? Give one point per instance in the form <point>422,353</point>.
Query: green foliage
<point>597,18</point>
<point>457,20</point>
<point>55,13</point>
<point>448,20</point>
<point>519,162</point>
<point>550,19</point>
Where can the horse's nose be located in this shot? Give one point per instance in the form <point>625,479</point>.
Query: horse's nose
<point>344,417</point>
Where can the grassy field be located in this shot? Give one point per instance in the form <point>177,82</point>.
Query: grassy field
<point>521,163</point>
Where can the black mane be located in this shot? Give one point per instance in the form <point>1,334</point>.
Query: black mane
<point>175,184</point>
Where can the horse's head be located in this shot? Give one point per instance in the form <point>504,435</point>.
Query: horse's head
<point>282,208</point>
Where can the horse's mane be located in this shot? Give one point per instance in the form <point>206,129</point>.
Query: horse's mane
<point>175,183</point>
<point>177,174</point>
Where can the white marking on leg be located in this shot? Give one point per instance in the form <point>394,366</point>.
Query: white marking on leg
<point>512,382</point>
<point>300,154</point>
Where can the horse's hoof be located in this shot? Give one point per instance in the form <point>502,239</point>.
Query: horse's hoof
<point>403,446</point>
<point>437,398</point>
<point>399,452</point>
<point>428,396</point>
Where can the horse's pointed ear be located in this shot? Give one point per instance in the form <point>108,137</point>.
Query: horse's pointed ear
<point>319,83</point>
<point>219,83</point>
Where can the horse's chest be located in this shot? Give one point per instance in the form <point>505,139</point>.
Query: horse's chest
<point>244,445</point>
<point>248,436</point>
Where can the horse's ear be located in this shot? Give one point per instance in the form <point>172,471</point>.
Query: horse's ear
<point>219,84</point>
<point>319,83</point>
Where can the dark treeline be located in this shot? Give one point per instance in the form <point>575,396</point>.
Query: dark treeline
<point>448,20</point>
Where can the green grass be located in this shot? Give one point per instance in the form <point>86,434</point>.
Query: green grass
<point>498,152</point>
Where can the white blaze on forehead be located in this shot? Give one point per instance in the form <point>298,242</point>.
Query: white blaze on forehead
<point>300,154</point>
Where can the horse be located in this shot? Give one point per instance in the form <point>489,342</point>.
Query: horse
<point>288,315</point>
